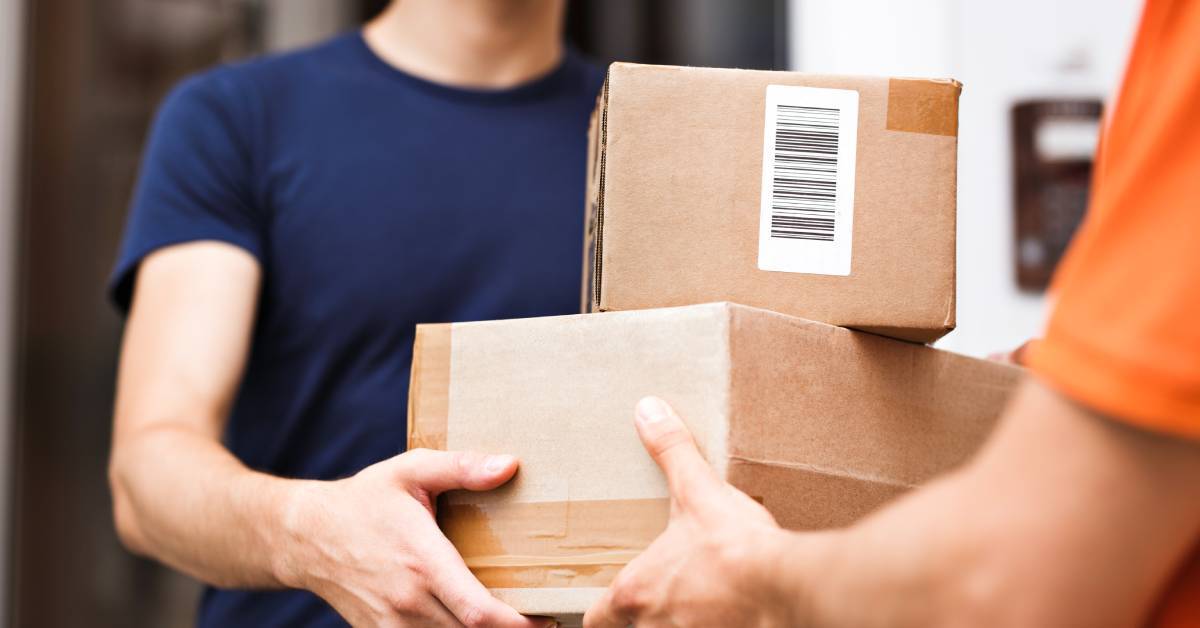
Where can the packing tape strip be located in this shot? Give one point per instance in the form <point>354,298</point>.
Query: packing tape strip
<point>923,106</point>
<point>429,387</point>
<point>552,544</point>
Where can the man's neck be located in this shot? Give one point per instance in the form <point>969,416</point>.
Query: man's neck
<point>470,43</point>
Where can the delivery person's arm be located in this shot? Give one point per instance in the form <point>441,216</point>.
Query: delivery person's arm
<point>367,544</point>
<point>1084,507</point>
<point>1065,519</point>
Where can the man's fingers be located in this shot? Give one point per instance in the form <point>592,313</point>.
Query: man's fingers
<point>670,444</point>
<point>463,595</point>
<point>446,574</point>
<point>604,613</point>
<point>441,471</point>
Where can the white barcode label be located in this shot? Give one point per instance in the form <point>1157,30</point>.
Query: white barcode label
<point>807,207</point>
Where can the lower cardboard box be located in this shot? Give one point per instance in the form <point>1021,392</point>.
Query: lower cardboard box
<point>819,423</point>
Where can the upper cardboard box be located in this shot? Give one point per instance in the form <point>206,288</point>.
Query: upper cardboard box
<point>826,197</point>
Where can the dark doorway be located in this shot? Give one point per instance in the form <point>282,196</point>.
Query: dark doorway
<point>96,71</point>
<point>718,33</point>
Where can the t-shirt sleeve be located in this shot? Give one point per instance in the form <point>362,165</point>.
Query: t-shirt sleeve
<point>1124,335</point>
<point>196,179</point>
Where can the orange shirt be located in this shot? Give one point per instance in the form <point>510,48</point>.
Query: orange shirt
<point>1124,335</point>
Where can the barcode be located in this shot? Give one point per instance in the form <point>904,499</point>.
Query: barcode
<point>806,207</point>
<point>805,173</point>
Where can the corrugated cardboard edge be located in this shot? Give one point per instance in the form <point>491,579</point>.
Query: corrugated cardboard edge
<point>596,286</point>
<point>927,106</point>
<point>429,387</point>
<point>588,280</point>
<point>909,334</point>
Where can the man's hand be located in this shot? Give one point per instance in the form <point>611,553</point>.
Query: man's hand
<point>1015,357</point>
<point>1065,518</point>
<point>713,564</point>
<point>369,544</point>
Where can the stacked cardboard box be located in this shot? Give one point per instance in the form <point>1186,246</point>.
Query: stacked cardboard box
<point>819,198</point>
<point>825,197</point>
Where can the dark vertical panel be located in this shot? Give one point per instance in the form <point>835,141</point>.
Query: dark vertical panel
<point>97,69</point>
<point>718,33</point>
<point>370,8</point>
<point>1050,192</point>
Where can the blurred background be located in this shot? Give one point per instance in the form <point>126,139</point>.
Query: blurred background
<point>80,79</point>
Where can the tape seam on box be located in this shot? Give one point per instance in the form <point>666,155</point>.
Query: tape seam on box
<point>576,543</point>
<point>923,106</point>
<point>429,387</point>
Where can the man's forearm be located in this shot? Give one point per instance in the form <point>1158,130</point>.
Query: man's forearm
<point>1032,532</point>
<point>368,545</point>
<point>907,566</point>
<point>182,498</point>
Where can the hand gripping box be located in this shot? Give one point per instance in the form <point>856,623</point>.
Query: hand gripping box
<point>820,423</point>
<point>827,197</point>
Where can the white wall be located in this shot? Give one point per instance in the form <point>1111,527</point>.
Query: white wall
<point>293,23</point>
<point>1001,51</point>
<point>905,37</point>
<point>12,27</point>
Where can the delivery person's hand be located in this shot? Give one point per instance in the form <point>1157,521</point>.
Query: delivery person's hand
<point>1016,357</point>
<point>369,544</point>
<point>712,565</point>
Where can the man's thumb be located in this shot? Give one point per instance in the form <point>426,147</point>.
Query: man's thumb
<point>440,471</point>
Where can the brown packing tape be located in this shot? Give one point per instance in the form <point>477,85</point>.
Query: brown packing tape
<point>549,576</point>
<point>552,544</point>
<point>429,387</point>
<point>923,106</point>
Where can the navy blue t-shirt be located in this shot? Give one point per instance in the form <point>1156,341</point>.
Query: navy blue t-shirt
<point>373,200</point>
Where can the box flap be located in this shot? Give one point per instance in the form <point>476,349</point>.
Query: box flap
<point>855,405</point>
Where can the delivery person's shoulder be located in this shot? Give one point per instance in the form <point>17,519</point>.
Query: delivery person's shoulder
<point>1124,335</point>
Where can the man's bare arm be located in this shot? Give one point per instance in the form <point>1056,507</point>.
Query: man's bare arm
<point>367,544</point>
<point>177,493</point>
<point>1066,518</point>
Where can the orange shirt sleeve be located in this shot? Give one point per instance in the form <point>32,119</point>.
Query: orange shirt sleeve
<point>1124,334</point>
